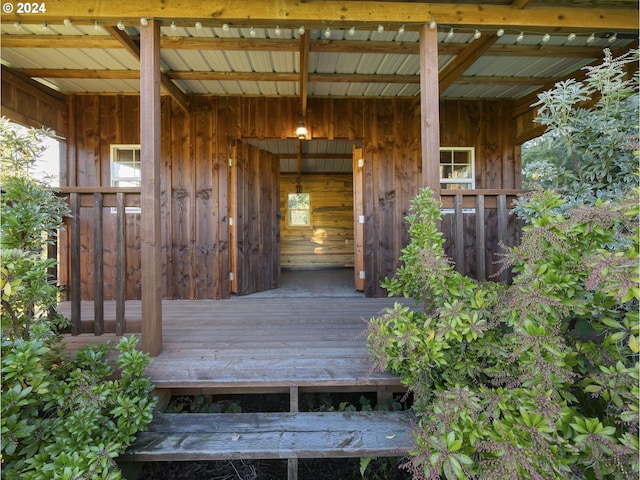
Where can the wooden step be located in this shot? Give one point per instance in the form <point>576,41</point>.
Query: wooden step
<point>231,436</point>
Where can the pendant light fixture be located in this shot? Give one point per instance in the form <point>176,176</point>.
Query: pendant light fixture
<point>301,131</point>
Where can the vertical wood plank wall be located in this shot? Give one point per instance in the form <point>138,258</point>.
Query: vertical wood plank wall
<point>256,225</point>
<point>194,164</point>
<point>29,103</point>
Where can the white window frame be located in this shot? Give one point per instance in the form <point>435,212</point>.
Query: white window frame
<point>289,210</point>
<point>464,181</point>
<point>461,181</point>
<point>115,148</point>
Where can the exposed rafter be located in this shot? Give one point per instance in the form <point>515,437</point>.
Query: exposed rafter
<point>304,73</point>
<point>330,12</point>
<point>276,77</point>
<point>133,48</point>
<point>462,62</point>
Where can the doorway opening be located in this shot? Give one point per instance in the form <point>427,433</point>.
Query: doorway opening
<point>316,216</point>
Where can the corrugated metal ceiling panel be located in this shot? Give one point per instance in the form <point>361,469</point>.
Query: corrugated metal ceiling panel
<point>524,66</point>
<point>321,148</point>
<point>288,62</point>
<point>95,85</point>
<point>487,91</point>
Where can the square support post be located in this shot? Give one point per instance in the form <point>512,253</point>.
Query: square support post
<point>430,109</point>
<point>150,188</point>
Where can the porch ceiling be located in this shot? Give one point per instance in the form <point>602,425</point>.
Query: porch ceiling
<point>365,52</point>
<point>318,156</point>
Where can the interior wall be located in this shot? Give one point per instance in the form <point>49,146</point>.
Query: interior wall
<point>328,242</point>
<point>195,171</point>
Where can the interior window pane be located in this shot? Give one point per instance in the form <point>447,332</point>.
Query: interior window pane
<point>461,157</point>
<point>462,171</point>
<point>299,200</point>
<point>456,168</point>
<point>125,156</point>
<point>299,217</point>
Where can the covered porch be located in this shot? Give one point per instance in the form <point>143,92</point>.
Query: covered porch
<point>258,344</point>
<point>193,96</point>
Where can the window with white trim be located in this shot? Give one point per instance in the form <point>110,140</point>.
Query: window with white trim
<point>457,168</point>
<point>125,169</point>
<point>299,209</point>
<point>125,166</point>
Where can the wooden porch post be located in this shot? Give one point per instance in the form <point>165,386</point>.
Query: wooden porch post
<point>430,109</point>
<point>150,188</point>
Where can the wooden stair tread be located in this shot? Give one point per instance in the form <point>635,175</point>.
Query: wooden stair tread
<point>193,436</point>
<point>261,372</point>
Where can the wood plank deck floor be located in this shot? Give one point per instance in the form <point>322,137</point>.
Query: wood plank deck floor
<point>259,343</point>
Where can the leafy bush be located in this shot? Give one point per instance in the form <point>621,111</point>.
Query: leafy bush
<point>589,150</point>
<point>59,418</point>
<point>538,379</point>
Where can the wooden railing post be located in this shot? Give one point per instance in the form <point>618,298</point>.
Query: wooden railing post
<point>98,268</point>
<point>121,264</point>
<point>52,271</point>
<point>503,223</point>
<point>481,271</point>
<point>74,294</point>
<point>458,241</point>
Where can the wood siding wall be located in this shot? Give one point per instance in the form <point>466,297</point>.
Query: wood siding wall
<point>30,103</point>
<point>256,226</point>
<point>195,152</point>
<point>328,242</point>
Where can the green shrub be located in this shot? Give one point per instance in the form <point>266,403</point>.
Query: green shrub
<point>59,418</point>
<point>590,148</point>
<point>538,379</point>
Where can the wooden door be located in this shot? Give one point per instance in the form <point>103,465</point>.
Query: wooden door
<point>358,217</point>
<point>254,220</point>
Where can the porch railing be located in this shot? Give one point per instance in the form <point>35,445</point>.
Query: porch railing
<point>101,201</point>
<point>477,224</point>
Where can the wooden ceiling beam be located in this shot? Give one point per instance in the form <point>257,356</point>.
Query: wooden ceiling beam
<point>449,74</point>
<point>273,77</point>
<point>59,41</point>
<point>277,45</point>
<point>218,43</point>
<point>80,73</point>
<point>132,47</point>
<point>336,13</point>
<point>304,74</point>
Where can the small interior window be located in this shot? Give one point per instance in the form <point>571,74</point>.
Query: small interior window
<point>125,169</point>
<point>299,209</point>
<point>457,170</point>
